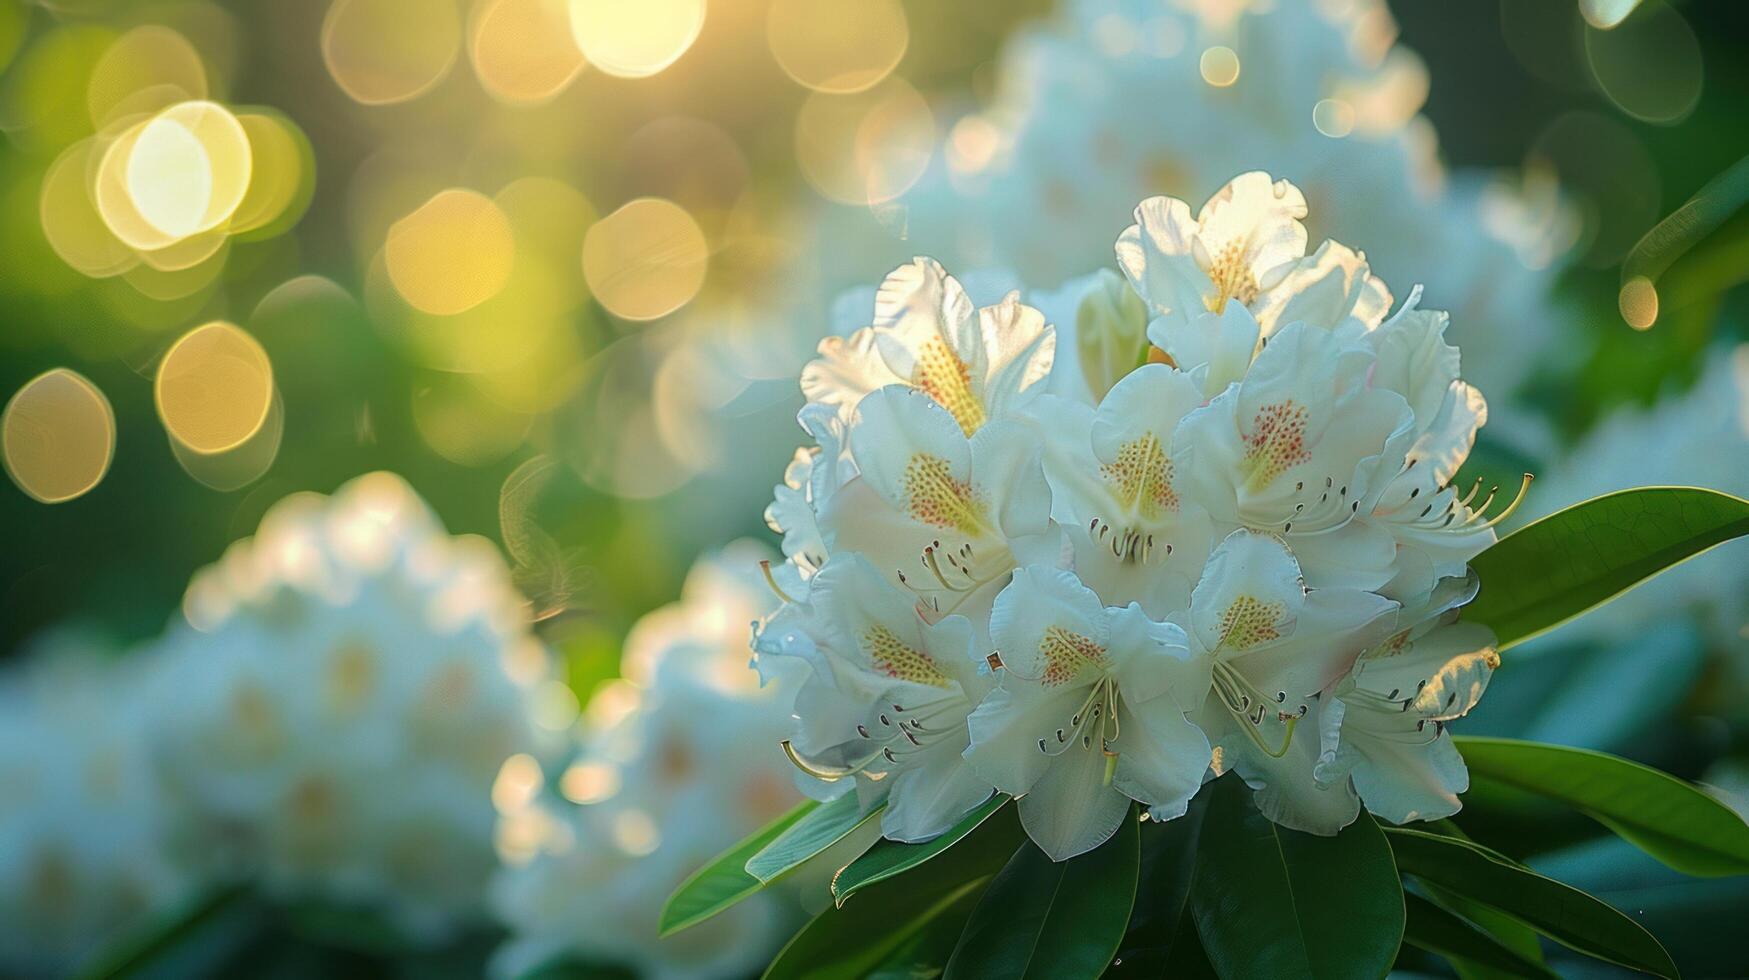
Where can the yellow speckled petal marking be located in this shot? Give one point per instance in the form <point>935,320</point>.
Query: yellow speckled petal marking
<point>891,656</point>
<point>1231,274</point>
<point>1066,654</point>
<point>936,498</point>
<point>1141,476</point>
<point>941,375</point>
<point>1250,621</point>
<point>1275,444</point>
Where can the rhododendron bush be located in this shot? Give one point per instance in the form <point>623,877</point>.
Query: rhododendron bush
<point>1139,642</point>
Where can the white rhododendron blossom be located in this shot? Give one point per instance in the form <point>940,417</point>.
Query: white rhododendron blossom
<point>350,682</point>
<point>1232,545</point>
<point>673,764</point>
<point>81,819</point>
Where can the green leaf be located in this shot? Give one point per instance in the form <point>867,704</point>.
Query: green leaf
<point>818,829</point>
<point>1273,902</point>
<point>1160,920</point>
<point>884,921</point>
<point>1667,818</point>
<point>924,955</point>
<point>185,941</point>
<point>725,880</point>
<point>1447,934</point>
<point>1048,919</point>
<point>1562,913</point>
<point>888,858</point>
<point>1551,571</point>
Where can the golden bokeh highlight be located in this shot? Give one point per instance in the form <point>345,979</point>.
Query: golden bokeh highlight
<point>523,51</point>
<point>214,388</point>
<point>451,254</point>
<point>838,46</point>
<point>635,38</point>
<point>1638,302</point>
<point>70,220</point>
<point>691,162</point>
<point>176,175</point>
<point>645,260</point>
<point>868,147</point>
<point>145,70</point>
<point>240,466</point>
<point>585,783</point>
<point>282,177</point>
<point>57,436</point>
<point>1333,117</point>
<point>386,51</point>
<point>1219,66</point>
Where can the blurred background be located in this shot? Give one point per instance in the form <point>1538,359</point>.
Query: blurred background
<point>555,266</point>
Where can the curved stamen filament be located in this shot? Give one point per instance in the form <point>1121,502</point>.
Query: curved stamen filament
<point>771,581</point>
<point>1251,708</point>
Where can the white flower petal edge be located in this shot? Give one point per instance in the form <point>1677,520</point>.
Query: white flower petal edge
<point>887,697</point>
<point>978,364</point>
<point>1073,676</point>
<point>1385,725</point>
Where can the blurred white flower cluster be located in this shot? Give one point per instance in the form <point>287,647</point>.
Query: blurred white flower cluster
<point>675,763</point>
<point>1109,102</point>
<point>335,711</point>
<point>1696,438</point>
<point>81,857</point>
<point>1237,546</point>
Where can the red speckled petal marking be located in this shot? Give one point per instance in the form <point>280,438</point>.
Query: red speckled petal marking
<point>1141,477</point>
<point>891,656</point>
<point>1275,444</point>
<point>941,375</point>
<point>1066,654</point>
<point>1250,621</point>
<point>936,498</point>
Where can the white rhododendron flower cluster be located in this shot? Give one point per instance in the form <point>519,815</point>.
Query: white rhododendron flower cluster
<point>1245,554</point>
<point>80,817</point>
<point>675,763</point>
<point>347,687</point>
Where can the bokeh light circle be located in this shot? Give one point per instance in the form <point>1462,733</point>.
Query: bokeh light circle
<point>173,176</point>
<point>146,69</point>
<point>523,50</point>
<point>214,388</point>
<point>868,147</point>
<point>1649,65</point>
<point>451,254</point>
<point>386,51</point>
<point>635,38</point>
<point>646,259</point>
<point>1219,66</point>
<point>57,436</point>
<point>838,46</point>
<point>1638,302</point>
<point>71,222</point>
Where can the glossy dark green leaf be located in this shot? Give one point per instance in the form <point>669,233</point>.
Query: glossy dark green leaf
<point>924,955</point>
<point>1162,895</point>
<point>724,881</point>
<point>1273,902</point>
<point>187,940</point>
<point>1053,919</point>
<point>818,829</point>
<point>1504,929</point>
<point>883,921</point>
<point>1554,569</point>
<point>1562,913</point>
<point>1447,934</point>
<point>888,858</point>
<point>1667,818</point>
